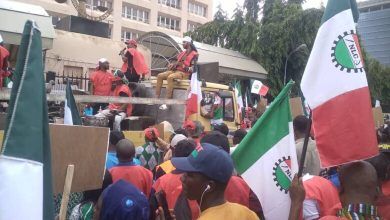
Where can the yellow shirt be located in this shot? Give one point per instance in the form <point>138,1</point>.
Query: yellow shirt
<point>228,211</point>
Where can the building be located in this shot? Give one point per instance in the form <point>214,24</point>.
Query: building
<point>132,18</point>
<point>374,29</point>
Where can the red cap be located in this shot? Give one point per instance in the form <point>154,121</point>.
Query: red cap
<point>148,133</point>
<point>189,125</point>
<point>132,42</point>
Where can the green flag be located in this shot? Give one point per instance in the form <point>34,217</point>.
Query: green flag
<point>266,157</point>
<point>25,162</point>
<point>71,114</point>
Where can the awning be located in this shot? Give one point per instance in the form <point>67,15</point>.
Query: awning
<point>13,16</point>
<point>164,48</point>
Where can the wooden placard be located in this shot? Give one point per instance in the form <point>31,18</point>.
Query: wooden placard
<point>378,116</point>
<point>85,148</point>
<point>296,107</point>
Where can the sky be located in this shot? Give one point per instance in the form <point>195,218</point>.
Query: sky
<point>230,5</point>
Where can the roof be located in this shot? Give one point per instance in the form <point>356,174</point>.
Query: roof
<point>371,3</point>
<point>13,16</point>
<point>165,47</point>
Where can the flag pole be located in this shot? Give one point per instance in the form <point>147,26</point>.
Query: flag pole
<point>305,143</point>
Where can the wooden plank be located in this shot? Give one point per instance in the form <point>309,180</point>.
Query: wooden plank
<point>5,95</point>
<point>66,192</point>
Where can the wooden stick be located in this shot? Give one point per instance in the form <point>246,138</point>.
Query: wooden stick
<point>5,95</point>
<point>65,194</point>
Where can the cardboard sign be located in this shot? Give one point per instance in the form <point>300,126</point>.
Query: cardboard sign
<point>296,107</point>
<point>85,148</point>
<point>378,116</point>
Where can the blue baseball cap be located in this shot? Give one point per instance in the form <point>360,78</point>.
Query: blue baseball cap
<point>122,200</point>
<point>208,160</point>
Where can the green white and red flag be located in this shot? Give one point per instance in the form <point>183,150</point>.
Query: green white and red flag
<point>266,158</point>
<point>335,87</point>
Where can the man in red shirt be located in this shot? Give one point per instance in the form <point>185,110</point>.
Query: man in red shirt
<point>101,82</point>
<point>134,65</point>
<point>181,69</point>
<point>126,170</point>
<point>4,55</point>
<point>118,110</point>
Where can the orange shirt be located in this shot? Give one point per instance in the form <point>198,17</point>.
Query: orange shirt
<point>115,106</point>
<point>101,81</point>
<point>137,175</point>
<point>237,191</point>
<point>171,185</point>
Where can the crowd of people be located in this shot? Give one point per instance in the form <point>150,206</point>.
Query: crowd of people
<point>193,177</point>
<point>118,83</point>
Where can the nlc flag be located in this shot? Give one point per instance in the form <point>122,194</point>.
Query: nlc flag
<point>335,87</point>
<point>25,162</point>
<point>266,157</point>
<point>194,96</point>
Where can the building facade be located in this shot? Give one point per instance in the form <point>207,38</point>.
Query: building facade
<point>132,18</point>
<point>374,29</point>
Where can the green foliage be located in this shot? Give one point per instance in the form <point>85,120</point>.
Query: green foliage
<point>378,77</point>
<point>284,26</point>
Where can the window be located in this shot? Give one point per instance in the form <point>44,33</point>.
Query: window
<point>197,9</point>
<point>129,34</point>
<point>93,4</point>
<point>208,101</point>
<point>192,26</point>
<point>169,23</point>
<point>134,13</point>
<point>170,3</point>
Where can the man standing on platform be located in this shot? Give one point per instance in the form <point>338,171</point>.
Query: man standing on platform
<point>134,65</point>
<point>101,83</point>
<point>4,55</point>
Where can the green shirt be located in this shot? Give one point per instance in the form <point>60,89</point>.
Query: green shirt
<point>149,155</point>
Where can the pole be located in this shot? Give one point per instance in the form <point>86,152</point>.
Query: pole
<point>305,143</point>
<point>288,57</point>
<point>66,193</point>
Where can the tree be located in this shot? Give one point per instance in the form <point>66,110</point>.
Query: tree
<point>252,8</point>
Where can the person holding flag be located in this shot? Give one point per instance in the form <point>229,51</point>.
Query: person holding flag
<point>335,87</point>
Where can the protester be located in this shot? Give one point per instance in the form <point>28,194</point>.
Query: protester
<point>117,110</point>
<point>222,127</point>
<point>149,154</point>
<point>122,201</point>
<point>112,160</point>
<point>134,65</point>
<point>190,127</point>
<point>238,136</point>
<point>166,166</point>
<point>359,188</point>
<point>171,186</point>
<point>85,210</point>
<point>181,69</point>
<point>218,139</point>
<point>139,176</point>
<point>312,161</point>
<point>4,56</point>
<point>216,112</point>
<point>321,198</point>
<point>101,83</point>
<point>207,172</point>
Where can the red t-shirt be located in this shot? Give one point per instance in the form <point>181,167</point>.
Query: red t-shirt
<point>101,81</point>
<point>383,202</point>
<point>237,191</point>
<point>137,175</point>
<point>121,89</point>
<point>171,185</point>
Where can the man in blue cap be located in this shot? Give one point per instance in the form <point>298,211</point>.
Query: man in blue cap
<point>207,172</point>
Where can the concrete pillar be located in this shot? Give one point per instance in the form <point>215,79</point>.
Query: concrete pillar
<point>117,17</point>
